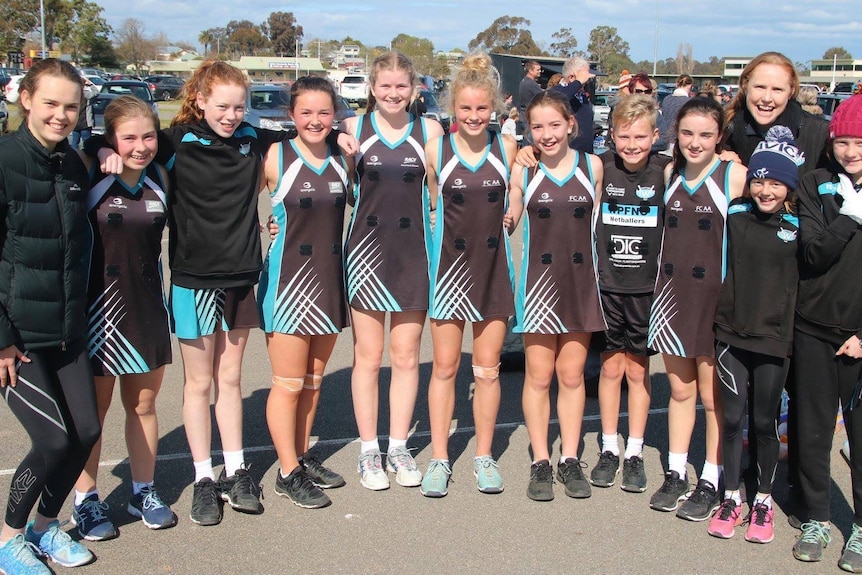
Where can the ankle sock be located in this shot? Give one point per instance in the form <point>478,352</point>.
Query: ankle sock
<point>233,460</point>
<point>634,447</point>
<point>204,470</point>
<point>79,497</point>
<point>610,443</point>
<point>137,487</point>
<point>366,446</point>
<point>396,443</point>
<point>711,472</point>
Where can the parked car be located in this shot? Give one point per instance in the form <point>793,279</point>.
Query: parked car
<point>355,88</point>
<point>434,110</point>
<point>95,80</point>
<point>4,116</point>
<point>844,88</point>
<point>828,103</point>
<point>602,108</point>
<point>267,107</point>
<point>114,89</point>
<point>11,87</point>
<point>165,87</point>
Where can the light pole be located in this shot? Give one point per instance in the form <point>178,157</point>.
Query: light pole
<point>655,41</point>
<point>42,12</point>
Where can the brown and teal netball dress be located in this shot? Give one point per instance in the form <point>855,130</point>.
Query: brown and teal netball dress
<point>129,330</point>
<point>386,253</point>
<point>471,265</point>
<point>302,285</point>
<point>691,265</point>
<point>558,292</point>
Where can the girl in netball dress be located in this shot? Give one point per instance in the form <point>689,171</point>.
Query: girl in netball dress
<point>301,293</point>
<point>470,269</point>
<point>557,300</point>
<point>691,271</point>
<point>129,331</point>
<point>387,265</point>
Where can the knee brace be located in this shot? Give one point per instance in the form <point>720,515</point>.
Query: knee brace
<point>486,372</point>
<point>293,384</point>
<point>316,380</point>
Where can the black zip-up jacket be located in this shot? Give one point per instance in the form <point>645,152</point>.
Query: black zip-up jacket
<point>758,297</point>
<point>829,305</point>
<point>46,238</point>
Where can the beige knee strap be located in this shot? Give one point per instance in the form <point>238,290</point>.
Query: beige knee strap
<point>316,380</point>
<point>289,383</point>
<point>486,372</point>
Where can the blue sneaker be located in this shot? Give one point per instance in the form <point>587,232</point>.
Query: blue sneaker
<point>91,519</point>
<point>436,480</point>
<point>20,557</point>
<point>487,475</point>
<point>57,544</point>
<point>151,509</point>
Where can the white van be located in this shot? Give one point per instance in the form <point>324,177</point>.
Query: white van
<point>355,88</point>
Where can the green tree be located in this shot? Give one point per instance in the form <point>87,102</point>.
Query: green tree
<point>133,46</point>
<point>439,68</point>
<point>564,44</point>
<point>207,39</point>
<point>247,41</point>
<point>507,34</point>
<point>102,54</point>
<point>84,24</point>
<point>608,49</point>
<point>837,51</point>
<point>419,50</point>
<point>284,32</point>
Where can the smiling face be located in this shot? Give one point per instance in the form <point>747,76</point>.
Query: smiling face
<point>313,112</point>
<point>392,91</point>
<point>136,142</point>
<point>473,108</point>
<point>224,108</point>
<point>848,153</point>
<point>768,194</point>
<point>550,130</point>
<point>768,90</point>
<point>52,109</point>
<point>697,138</point>
<point>633,142</point>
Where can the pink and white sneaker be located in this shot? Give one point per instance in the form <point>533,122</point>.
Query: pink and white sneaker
<point>726,518</point>
<point>761,527</point>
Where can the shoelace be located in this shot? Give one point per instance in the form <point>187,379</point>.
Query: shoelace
<point>370,461</point>
<point>544,473</point>
<point>207,491</point>
<point>25,552</point>
<point>487,465</point>
<point>815,532</point>
<point>668,484</point>
<point>437,467</point>
<point>95,509</point>
<point>637,464</point>
<point>574,470</point>
<point>728,506</point>
<point>760,515</point>
<point>57,538</point>
<point>402,459</point>
<point>245,484</point>
<point>606,461</point>
<point>854,544</point>
<point>151,499</point>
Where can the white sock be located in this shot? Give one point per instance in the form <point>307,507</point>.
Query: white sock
<point>365,446</point>
<point>396,443</point>
<point>563,458</point>
<point>610,443</point>
<point>204,469</point>
<point>711,472</point>
<point>735,495</point>
<point>765,498</point>
<point>634,447</point>
<point>79,497</point>
<point>677,462</point>
<point>137,487</point>
<point>233,460</point>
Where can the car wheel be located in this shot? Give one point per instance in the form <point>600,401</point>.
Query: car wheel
<point>166,95</point>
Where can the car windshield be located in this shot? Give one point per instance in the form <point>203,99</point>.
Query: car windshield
<point>269,99</point>
<point>353,80</point>
<point>430,100</point>
<point>140,92</point>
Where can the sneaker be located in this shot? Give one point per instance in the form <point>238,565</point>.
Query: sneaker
<point>605,471</point>
<point>571,474</point>
<point>761,528</point>
<point>671,492</point>
<point>321,476</point>
<point>240,491</point>
<point>57,545</point>
<point>487,475</point>
<point>541,486</point>
<point>299,488</point>
<point>91,519</point>
<point>634,476</point>
<point>149,507</point>
<point>401,463</point>
<point>813,540</point>
<point>701,503</point>
<point>727,517</point>
<point>435,483</point>
<point>851,558</point>
<point>206,508</point>
<point>371,474</point>
<point>20,557</point>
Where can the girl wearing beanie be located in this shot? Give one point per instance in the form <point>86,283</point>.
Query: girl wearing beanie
<point>828,331</point>
<point>754,325</point>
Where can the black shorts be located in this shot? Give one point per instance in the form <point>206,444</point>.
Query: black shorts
<point>627,316</point>
<point>199,312</point>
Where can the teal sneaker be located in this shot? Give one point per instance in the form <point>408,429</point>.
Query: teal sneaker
<point>436,480</point>
<point>57,544</point>
<point>487,475</point>
<point>813,540</point>
<point>20,557</point>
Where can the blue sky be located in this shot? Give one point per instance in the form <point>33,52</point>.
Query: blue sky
<point>801,30</point>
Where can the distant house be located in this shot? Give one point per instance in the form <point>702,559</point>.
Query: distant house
<point>733,66</point>
<point>841,69</point>
<point>348,57</point>
<point>175,53</point>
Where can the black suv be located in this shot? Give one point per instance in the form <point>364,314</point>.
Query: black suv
<point>165,87</point>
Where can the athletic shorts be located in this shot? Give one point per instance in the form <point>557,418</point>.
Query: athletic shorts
<point>627,316</point>
<point>199,312</point>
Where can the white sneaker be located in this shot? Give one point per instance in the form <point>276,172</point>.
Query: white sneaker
<point>401,463</point>
<point>371,474</point>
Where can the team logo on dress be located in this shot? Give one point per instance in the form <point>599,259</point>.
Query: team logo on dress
<point>703,209</point>
<point>490,183</point>
<point>644,192</point>
<point>409,160</point>
<point>786,236</point>
<point>373,159</point>
<point>154,206</point>
<point>118,201</point>
<point>335,187</point>
<point>458,184</point>
<point>244,149</point>
<point>676,206</point>
<point>612,190</point>
<point>580,199</point>
<point>545,198</point>
<point>306,185</point>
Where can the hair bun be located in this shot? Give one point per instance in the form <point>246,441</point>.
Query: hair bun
<point>477,62</point>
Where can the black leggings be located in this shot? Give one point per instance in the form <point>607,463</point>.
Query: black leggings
<point>55,401</point>
<point>756,379</point>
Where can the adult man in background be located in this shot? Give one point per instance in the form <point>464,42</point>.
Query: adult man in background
<point>527,90</point>
<point>576,76</point>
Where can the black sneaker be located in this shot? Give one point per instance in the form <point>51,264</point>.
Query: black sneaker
<point>240,491</point>
<point>541,486</point>
<point>605,471</point>
<point>671,492</point>
<point>206,507</point>
<point>634,476</point>
<point>321,476</point>
<point>299,488</point>
<point>571,474</point>
<point>701,503</point>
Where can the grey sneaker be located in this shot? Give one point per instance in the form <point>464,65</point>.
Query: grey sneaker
<point>371,474</point>
<point>813,540</point>
<point>401,463</point>
<point>571,474</point>
<point>541,486</point>
<point>851,559</point>
<point>605,471</point>
<point>634,476</point>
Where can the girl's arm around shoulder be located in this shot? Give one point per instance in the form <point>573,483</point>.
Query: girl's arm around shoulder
<point>668,172</point>
<point>270,167</point>
<point>598,169</point>
<point>510,145</point>
<point>431,160</point>
<point>433,129</point>
<point>738,174</point>
<point>516,199</point>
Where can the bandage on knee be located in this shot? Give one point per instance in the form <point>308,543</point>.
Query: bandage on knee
<point>288,383</point>
<point>316,380</point>
<point>486,372</point>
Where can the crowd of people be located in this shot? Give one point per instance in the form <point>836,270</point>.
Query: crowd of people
<point>732,258</point>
